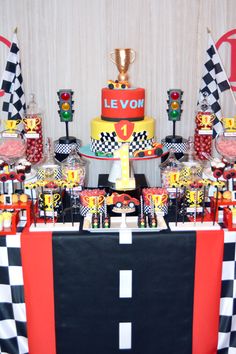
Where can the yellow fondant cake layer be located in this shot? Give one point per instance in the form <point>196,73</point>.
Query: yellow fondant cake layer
<point>123,129</point>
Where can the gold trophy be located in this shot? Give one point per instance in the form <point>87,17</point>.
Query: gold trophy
<point>194,198</point>
<point>31,124</point>
<point>122,58</point>
<point>11,124</point>
<point>206,120</point>
<point>229,124</point>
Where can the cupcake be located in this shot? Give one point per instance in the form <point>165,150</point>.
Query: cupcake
<point>27,167</point>
<point>20,169</point>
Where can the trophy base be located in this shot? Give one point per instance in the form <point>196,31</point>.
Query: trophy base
<point>67,140</point>
<point>173,139</point>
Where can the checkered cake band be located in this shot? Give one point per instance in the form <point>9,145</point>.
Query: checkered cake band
<point>41,174</point>
<point>176,147</point>
<point>85,210</point>
<point>65,148</point>
<point>109,143</point>
<point>105,147</point>
<point>163,209</point>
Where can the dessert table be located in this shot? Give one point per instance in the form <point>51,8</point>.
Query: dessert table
<point>99,293</point>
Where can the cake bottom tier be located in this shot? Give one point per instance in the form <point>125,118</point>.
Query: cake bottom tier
<point>106,137</point>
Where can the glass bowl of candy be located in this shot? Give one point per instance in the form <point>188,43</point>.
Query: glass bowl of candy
<point>226,147</point>
<point>12,145</point>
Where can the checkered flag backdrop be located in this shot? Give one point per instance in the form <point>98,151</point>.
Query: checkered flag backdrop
<point>13,334</point>
<point>12,84</point>
<point>214,81</point>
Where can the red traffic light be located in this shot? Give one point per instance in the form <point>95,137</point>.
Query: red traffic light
<point>65,96</point>
<point>174,95</point>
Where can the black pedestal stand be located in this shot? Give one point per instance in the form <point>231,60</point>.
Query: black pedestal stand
<point>175,142</point>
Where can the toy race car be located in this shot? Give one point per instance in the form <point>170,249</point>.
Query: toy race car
<point>122,200</point>
<point>118,84</point>
<point>104,154</point>
<point>156,149</point>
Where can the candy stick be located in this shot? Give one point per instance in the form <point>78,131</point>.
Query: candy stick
<point>204,204</point>
<point>176,206</point>
<point>105,207</point>
<point>216,205</point>
<point>44,211</point>
<point>152,208</point>
<point>62,206</point>
<point>71,208</point>
<point>195,207</point>
<point>141,206</point>
<point>32,207</point>
<point>53,211</point>
<point>184,204</point>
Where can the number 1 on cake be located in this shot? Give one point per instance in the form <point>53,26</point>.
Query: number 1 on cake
<point>125,182</point>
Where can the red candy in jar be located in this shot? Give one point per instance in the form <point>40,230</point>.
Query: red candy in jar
<point>33,132</point>
<point>204,125</point>
<point>202,143</point>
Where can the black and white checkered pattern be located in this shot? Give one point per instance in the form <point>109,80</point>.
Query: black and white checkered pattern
<point>227,325</point>
<point>108,142</point>
<point>108,137</point>
<point>163,209</point>
<point>86,210</point>
<point>214,81</point>
<point>65,148</point>
<point>13,336</point>
<point>57,173</point>
<point>176,147</point>
<point>12,84</point>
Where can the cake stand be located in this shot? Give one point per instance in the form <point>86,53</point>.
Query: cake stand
<point>115,171</point>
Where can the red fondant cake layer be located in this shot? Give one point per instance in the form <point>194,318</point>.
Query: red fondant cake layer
<point>123,104</point>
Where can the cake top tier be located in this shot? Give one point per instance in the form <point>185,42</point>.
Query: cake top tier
<point>123,104</point>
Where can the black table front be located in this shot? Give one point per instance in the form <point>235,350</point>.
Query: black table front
<point>88,309</point>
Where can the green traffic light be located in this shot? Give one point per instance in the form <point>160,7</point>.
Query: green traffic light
<point>66,115</point>
<point>174,114</point>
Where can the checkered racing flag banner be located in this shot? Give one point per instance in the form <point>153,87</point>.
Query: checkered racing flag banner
<point>12,84</point>
<point>227,325</point>
<point>214,81</point>
<point>13,336</point>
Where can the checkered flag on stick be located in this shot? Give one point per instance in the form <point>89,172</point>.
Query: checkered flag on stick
<point>12,84</point>
<point>214,81</point>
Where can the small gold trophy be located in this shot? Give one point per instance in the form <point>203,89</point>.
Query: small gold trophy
<point>122,58</point>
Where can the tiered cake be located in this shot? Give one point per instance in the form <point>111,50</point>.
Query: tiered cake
<point>122,117</point>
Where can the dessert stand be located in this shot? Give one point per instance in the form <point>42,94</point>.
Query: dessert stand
<point>115,171</point>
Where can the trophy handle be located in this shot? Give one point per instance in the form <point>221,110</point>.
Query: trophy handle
<point>37,121</point>
<point>132,56</point>
<point>56,198</point>
<point>100,200</point>
<point>111,56</point>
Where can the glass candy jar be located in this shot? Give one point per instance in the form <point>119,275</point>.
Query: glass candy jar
<point>190,164</point>
<point>74,168</point>
<point>170,173</point>
<point>203,131</point>
<point>12,145</point>
<point>33,132</point>
<point>74,173</point>
<point>225,142</point>
<point>49,169</point>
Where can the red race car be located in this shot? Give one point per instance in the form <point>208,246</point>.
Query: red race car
<point>122,200</point>
<point>156,149</point>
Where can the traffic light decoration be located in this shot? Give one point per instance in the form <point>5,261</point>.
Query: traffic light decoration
<point>65,105</point>
<point>174,104</point>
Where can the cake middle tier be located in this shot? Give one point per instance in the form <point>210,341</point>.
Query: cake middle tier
<point>108,136</point>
